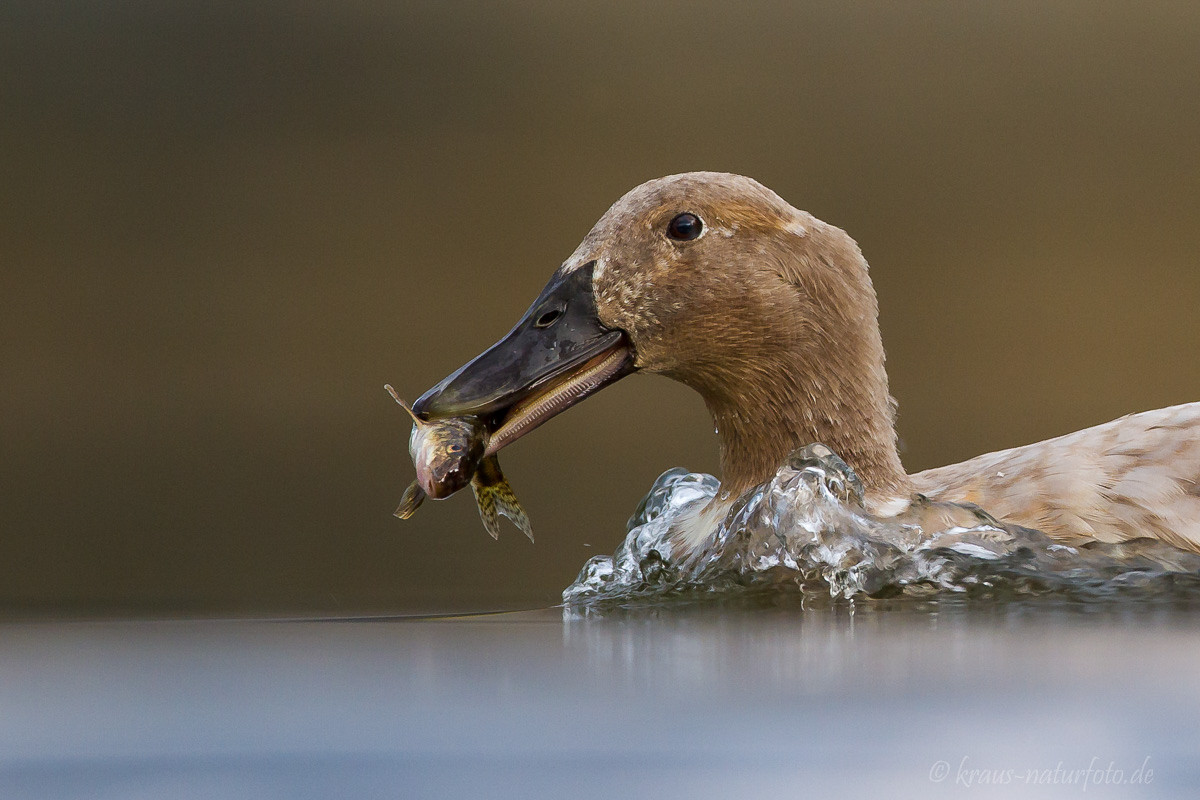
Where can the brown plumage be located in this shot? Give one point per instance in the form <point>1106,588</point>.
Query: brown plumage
<point>1134,476</point>
<point>771,316</point>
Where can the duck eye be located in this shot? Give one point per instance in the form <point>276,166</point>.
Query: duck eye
<point>685,227</point>
<point>548,318</point>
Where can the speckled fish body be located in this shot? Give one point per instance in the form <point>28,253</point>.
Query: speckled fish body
<point>448,454</point>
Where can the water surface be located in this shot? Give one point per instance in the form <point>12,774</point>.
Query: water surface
<point>895,698</point>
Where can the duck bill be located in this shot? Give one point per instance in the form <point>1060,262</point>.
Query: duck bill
<point>557,355</point>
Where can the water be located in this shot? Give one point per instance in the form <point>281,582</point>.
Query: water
<point>804,649</point>
<point>805,532</point>
<point>891,698</point>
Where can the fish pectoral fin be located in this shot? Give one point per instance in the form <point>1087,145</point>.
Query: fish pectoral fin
<point>414,495</point>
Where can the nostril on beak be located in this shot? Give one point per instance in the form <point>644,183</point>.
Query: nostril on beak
<point>548,317</point>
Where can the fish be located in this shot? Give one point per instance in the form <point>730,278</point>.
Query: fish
<point>448,455</point>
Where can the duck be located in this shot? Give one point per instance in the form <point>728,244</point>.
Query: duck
<point>713,280</point>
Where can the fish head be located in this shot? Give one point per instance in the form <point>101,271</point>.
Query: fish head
<point>446,453</point>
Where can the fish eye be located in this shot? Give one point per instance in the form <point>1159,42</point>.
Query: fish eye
<point>548,317</point>
<point>455,448</point>
<point>685,227</point>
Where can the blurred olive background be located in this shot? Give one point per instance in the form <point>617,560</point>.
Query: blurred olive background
<point>224,226</point>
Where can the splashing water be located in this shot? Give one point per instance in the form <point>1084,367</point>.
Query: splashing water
<point>806,532</point>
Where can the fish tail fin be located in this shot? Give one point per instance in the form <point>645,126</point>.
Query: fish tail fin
<point>494,495</point>
<point>485,498</point>
<point>414,495</point>
<point>507,504</point>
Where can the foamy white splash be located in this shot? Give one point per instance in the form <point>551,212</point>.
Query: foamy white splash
<point>806,531</point>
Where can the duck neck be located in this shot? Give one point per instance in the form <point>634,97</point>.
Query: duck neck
<point>826,383</point>
<point>760,428</point>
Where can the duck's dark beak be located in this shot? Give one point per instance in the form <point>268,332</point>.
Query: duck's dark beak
<point>558,354</point>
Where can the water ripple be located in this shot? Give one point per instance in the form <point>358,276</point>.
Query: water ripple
<point>806,532</point>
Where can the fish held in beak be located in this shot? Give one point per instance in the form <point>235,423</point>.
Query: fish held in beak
<point>558,354</point>
<point>448,454</point>
<point>445,453</point>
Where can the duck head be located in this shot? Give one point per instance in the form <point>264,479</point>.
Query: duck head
<point>713,280</point>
